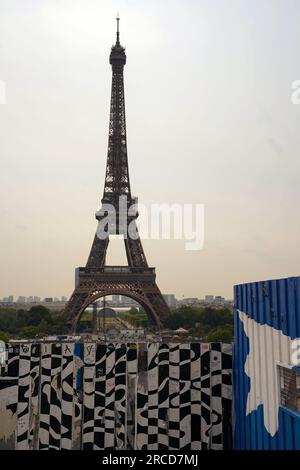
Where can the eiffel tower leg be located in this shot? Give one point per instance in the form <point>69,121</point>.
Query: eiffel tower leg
<point>73,309</point>
<point>158,305</point>
<point>98,253</point>
<point>135,253</point>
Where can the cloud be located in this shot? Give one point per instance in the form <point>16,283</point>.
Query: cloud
<point>276,147</point>
<point>21,228</point>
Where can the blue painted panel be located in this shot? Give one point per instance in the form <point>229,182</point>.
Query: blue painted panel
<point>275,304</point>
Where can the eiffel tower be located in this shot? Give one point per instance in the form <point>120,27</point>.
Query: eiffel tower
<point>117,216</point>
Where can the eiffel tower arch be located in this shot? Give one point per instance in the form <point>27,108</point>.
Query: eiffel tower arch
<point>137,279</point>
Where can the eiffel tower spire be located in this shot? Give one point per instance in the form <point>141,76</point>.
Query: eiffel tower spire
<point>118,32</point>
<point>137,280</point>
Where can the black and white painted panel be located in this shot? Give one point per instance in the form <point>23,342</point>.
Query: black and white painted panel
<point>195,396</point>
<point>24,397</point>
<point>142,413</point>
<point>109,432</point>
<point>116,396</point>
<point>55,397</point>
<point>174,397</point>
<point>226,368</point>
<point>120,397</point>
<point>9,381</point>
<point>205,396</point>
<point>185,396</point>
<point>89,427</point>
<point>35,384</point>
<point>98,443</point>
<point>132,371</point>
<point>153,350</point>
<point>163,396</point>
<point>67,395</point>
<point>78,369</point>
<point>216,396</point>
<point>45,396</point>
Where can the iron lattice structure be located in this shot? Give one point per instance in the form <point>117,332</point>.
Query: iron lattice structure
<point>137,280</point>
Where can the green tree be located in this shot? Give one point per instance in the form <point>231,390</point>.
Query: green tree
<point>13,321</point>
<point>200,330</point>
<point>38,313</point>
<point>57,323</point>
<point>29,331</point>
<point>216,317</point>
<point>222,333</point>
<point>190,316</point>
<point>136,312</point>
<point>44,327</point>
<point>4,337</point>
<point>137,318</point>
<point>184,317</point>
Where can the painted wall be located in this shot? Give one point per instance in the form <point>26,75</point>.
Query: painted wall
<point>107,396</point>
<point>267,321</point>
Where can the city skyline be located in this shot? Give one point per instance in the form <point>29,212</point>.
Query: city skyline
<point>64,298</point>
<point>58,94</point>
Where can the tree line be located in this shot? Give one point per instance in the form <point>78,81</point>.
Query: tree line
<point>37,321</point>
<point>207,323</point>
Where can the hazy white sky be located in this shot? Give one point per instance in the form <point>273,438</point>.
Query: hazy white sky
<point>209,120</point>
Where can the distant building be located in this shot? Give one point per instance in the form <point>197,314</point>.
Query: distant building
<point>10,299</point>
<point>170,299</point>
<point>116,299</point>
<point>48,300</point>
<point>64,299</point>
<point>127,300</point>
<point>219,299</point>
<point>190,301</point>
<point>21,299</point>
<point>209,298</point>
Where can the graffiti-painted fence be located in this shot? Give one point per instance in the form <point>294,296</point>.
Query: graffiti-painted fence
<point>116,396</point>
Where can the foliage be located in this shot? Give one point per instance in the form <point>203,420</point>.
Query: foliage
<point>87,316</point>
<point>4,337</point>
<point>183,317</point>
<point>201,331</point>
<point>136,317</point>
<point>188,316</point>
<point>29,331</point>
<point>37,314</point>
<point>204,322</point>
<point>38,320</point>
<point>207,323</point>
<point>221,333</point>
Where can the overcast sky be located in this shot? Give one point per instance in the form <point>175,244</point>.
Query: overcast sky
<point>209,120</point>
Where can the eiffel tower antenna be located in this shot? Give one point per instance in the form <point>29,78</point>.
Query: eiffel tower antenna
<point>118,30</point>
